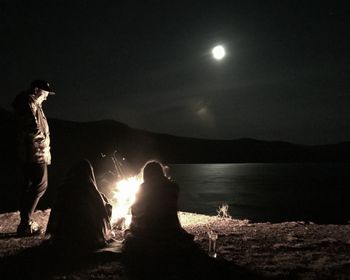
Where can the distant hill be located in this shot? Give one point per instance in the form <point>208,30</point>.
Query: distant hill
<point>98,140</point>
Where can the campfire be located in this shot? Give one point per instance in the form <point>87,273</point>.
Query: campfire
<point>124,191</point>
<point>124,196</point>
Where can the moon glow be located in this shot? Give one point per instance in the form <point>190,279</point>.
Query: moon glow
<point>218,52</point>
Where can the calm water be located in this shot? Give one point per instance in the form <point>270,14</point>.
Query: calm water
<point>267,192</point>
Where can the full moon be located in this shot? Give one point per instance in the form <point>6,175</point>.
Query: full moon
<point>218,52</point>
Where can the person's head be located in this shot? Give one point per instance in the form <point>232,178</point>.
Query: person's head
<point>41,90</point>
<point>153,170</point>
<point>82,171</point>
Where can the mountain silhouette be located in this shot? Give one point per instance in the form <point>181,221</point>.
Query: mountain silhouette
<point>98,141</point>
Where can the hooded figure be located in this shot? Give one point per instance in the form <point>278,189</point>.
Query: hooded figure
<point>81,215</point>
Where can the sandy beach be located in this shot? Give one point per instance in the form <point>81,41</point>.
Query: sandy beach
<point>290,250</point>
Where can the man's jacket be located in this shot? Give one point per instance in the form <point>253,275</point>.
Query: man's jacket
<point>33,136</point>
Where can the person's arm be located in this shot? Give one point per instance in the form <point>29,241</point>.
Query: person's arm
<point>107,204</point>
<point>33,135</point>
<point>25,114</point>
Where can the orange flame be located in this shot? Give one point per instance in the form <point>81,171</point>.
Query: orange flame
<point>124,196</point>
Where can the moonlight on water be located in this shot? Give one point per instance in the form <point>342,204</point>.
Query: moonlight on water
<point>218,52</point>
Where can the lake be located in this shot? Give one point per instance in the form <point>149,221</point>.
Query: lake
<point>260,192</point>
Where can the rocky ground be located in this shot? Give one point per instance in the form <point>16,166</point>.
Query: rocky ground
<point>290,250</point>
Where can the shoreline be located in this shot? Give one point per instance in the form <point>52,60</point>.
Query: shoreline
<point>293,250</point>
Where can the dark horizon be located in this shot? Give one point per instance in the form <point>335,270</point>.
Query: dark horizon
<point>186,137</point>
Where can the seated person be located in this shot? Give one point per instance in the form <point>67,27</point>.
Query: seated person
<point>156,246</point>
<point>80,217</point>
<point>154,213</point>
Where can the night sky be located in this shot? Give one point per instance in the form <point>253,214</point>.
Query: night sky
<point>149,64</point>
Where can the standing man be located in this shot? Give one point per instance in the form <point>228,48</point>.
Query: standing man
<point>33,147</point>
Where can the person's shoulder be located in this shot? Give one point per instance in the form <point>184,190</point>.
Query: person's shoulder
<point>22,100</point>
<point>172,184</point>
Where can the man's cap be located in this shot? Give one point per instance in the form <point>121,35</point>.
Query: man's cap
<point>42,84</point>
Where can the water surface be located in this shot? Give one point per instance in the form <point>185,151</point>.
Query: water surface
<point>274,192</point>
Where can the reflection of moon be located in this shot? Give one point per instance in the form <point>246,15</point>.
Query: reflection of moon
<point>218,52</point>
